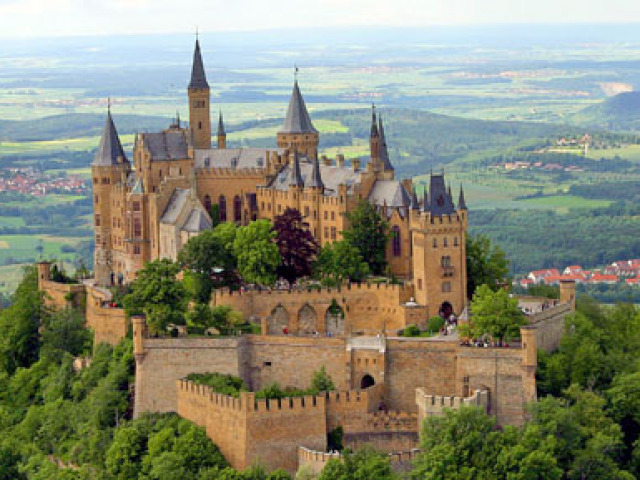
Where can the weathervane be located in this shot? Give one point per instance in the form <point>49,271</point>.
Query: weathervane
<point>295,72</point>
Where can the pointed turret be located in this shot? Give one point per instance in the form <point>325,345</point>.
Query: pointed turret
<point>462,204</point>
<point>198,77</point>
<point>374,139</point>
<point>415,205</point>
<point>297,132</point>
<point>222,135</point>
<point>297,119</point>
<point>425,201</point>
<point>295,175</point>
<point>440,199</point>
<point>384,151</point>
<point>110,151</point>
<point>374,123</point>
<point>199,101</point>
<point>315,180</point>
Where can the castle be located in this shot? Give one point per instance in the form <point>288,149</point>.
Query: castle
<point>386,384</point>
<point>149,208</point>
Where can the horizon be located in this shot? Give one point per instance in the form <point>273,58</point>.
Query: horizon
<point>71,18</point>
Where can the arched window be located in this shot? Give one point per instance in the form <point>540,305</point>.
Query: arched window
<point>237,208</point>
<point>222,208</point>
<point>207,203</point>
<point>396,242</point>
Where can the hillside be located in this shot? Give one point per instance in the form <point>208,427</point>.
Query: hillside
<point>620,112</point>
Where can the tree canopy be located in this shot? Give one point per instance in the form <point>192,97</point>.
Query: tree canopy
<point>257,252</point>
<point>340,261</point>
<point>495,314</point>
<point>368,231</point>
<point>486,264</point>
<point>158,295</point>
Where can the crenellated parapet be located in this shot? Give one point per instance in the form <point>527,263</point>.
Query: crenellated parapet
<point>434,405</point>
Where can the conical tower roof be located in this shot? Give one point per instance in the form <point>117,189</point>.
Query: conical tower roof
<point>198,77</point>
<point>295,175</point>
<point>297,119</point>
<point>415,205</point>
<point>221,125</point>
<point>110,151</point>
<point>462,204</point>
<point>384,151</point>
<point>374,124</point>
<point>315,180</point>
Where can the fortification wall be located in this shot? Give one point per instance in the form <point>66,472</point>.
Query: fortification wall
<point>549,326</point>
<point>316,460</point>
<point>61,295</point>
<point>250,431</point>
<point>161,362</point>
<point>383,441</point>
<point>367,308</point>
<point>435,405</point>
<point>109,324</point>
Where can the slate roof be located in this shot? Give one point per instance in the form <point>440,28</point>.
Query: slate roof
<point>175,206</point>
<point>332,176</point>
<point>110,148</point>
<point>462,204</point>
<point>390,193</point>
<point>297,119</point>
<point>233,157</point>
<point>440,202</point>
<point>315,179</point>
<point>198,77</point>
<point>384,151</point>
<point>221,125</point>
<point>168,145</point>
<point>197,221</point>
<point>295,176</point>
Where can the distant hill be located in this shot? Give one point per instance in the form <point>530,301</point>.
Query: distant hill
<point>75,125</point>
<point>620,112</point>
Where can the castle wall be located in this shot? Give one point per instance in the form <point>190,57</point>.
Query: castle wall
<point>549,326</point>
<point>109,325</point>
<point>250,431</point>
<point>401,461</point>
<point>368,309</point>
<point>435,405</point>
<point>166,360</point>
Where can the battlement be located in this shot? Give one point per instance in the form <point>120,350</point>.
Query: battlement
<point>347,287</point>
<point>316,460</point>
<point>247,401</point>
<point>229,172</point>
<point>429,405</point>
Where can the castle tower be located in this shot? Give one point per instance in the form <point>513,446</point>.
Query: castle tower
<point>199,104</point>
<point>385,162</point>
<point>222,135</point>
<point>109,166</point>
<point>439,234</point>
<point>297,132</point>
<point>374,140</point>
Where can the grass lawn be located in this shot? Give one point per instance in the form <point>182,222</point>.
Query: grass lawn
<point>24,247</point>
<point>562,203</point>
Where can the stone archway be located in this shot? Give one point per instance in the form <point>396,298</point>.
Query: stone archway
<point>277,320</point>
<point>307,320</point>
<point>335,319</point>
<point>446,309</point>
<point>367,381</point>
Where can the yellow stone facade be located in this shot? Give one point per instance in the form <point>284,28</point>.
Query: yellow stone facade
<point>148,207</point>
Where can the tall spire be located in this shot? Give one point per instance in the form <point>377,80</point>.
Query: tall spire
<point>110,151</point>
<point>198,77</point>
<point>415,205</point>
<point>462,204</point>
<point>295,177</point>
<point>221,125</point>
<point>384,151</point>
<point>297,119</point>
<point>315,180</point>
<point>374,123</point>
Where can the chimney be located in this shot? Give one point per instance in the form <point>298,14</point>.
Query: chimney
<point>340,160</point>
<point>355,163</point>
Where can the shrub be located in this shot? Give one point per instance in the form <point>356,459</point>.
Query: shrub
<point>434,324</point>
<point>411,331</point>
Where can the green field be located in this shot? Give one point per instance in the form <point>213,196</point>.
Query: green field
<point>562,203</point>
<point>19,247</point>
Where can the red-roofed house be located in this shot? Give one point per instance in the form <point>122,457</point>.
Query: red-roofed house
<point>604,278</point>
<point>572,270</point>
<point>538,276</point>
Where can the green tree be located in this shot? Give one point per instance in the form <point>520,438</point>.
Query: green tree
<point>495,314</point>
<point>257,253</point>
<point>64,331</point>
<point>20,340</point>
<point>321,381</point>
<point>158,295</point>
<point>340,261</point>
<point>368,231</point>
<point>365,464</point>
<point>486,264</point>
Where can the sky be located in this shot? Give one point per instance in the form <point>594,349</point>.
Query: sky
<point>42,18</point>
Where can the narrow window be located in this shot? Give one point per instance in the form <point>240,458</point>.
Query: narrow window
<point>222,208</point>
<point>397,242</point>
